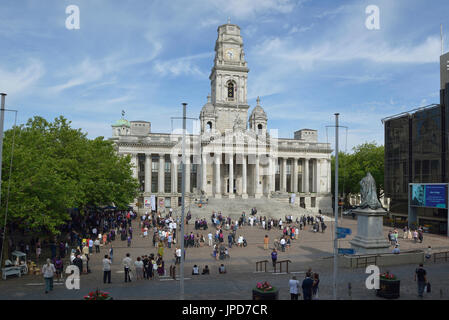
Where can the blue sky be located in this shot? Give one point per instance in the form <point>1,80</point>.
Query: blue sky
<point>308,59</point>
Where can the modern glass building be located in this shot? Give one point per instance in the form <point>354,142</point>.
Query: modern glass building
<point>416,144</point>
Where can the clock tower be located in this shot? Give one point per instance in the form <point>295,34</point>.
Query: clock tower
<point>228,79</point>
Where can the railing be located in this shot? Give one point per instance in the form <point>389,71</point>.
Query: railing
<point>438,256</point>
<point>280,265</point>
<point>363,262</point>
<point>259,265</point>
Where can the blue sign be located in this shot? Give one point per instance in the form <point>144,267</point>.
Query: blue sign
<point>341,235</point>
<point>429,195</point>
<point>344,231</point>
<point>436,196</point>
<point>345,251</point>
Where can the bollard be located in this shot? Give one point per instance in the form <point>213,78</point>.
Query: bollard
<point>349,289</point>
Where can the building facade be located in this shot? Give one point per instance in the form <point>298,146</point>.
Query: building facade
<point>416,144</point>
<point>234,153</point>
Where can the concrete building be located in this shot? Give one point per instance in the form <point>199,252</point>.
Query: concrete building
<point>234,153</point>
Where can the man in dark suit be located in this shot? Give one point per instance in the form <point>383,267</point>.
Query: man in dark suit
<point>307,285</point>
<point>79,263</point>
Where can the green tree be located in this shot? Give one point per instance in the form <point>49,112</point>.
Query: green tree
<point>56,167</point>
<point>367,157</point>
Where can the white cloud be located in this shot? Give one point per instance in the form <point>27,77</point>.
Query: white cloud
<point>90,71</point>
<point>182,66</point>
<point>249,8</point>
<point>285,51</point>
<point>299,29</point>
<point>20,79</point>
<point>332,12</point>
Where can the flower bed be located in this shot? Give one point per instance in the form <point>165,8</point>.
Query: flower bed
<point>265,291</point>
<point>389,286</point>
<point>98,295</point>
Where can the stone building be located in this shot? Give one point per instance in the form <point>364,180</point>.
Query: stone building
<point>234,155</point>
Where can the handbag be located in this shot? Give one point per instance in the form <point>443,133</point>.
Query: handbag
<point>428,287</point>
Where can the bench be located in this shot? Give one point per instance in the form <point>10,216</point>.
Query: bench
<point>11,271</point>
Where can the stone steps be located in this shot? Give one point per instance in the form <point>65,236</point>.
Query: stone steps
<point>235,207</point>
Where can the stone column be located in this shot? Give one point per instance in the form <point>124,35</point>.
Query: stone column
<point>273,174</point>
<point>306,175</point>
<point>174,175</point>
<point>283,172</point>
<point>217,176</point>
<point>244,178</point>
<point>231,176</point>
<point>161,174</point>
<point>134,165</point>
<point>258,192</point>
<point>329,175</point>
<point>295,175</point>
<point>318,175</point>
<point>187,174</point>
<point>270,174</point>
<point>203,172</point>
<point>148,173</point>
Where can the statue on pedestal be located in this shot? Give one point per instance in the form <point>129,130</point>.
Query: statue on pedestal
<point>368,193</point>
<point>370,238</point>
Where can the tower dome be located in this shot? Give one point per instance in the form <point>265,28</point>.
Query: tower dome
<point>258,118</point>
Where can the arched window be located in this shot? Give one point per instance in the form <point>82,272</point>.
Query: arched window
<point>259,128</point>
<point>209,126</point>
<point>230,89</point>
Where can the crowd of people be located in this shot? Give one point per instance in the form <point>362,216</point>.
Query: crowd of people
<point>309,286</point>
<point>414,235</point>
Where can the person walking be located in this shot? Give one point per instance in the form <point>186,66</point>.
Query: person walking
<point>420,234</point>
<point>38,251</point>
<point>91,246</point>
<point>107,269</point>
<point>294,288</point>
<point>48,271</point>
<point>127,262</point>
<point>420,277</point>
<point>415,236</point>
<point>139,268</point>
<point>97,245</point>
<point>178,255</point>
<point>307,287</point>
<point>282,242</point>
<point>274,257</point>
<point>111,253</point>
<point>428,253</point>
<point>316,282</point>
<point>266,240</point>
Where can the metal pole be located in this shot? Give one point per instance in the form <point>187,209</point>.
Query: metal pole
<point>336,209</point>
<point>183,190</point>
<point>2,120</point>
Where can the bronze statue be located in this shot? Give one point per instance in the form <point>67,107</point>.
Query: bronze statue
<point>368,193</point>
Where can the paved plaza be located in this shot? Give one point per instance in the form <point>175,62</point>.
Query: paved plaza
<point>312,250</point>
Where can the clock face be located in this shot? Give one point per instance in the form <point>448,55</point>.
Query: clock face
<point>229,54</point>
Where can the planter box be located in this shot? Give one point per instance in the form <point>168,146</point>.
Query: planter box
<point>270,295</point>
<point>389,289</point>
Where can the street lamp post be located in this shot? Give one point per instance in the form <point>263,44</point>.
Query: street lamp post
<point>183,189</point>
<point>336,210</point>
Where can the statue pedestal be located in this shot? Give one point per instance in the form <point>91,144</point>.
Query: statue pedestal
<point>370,238</point>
